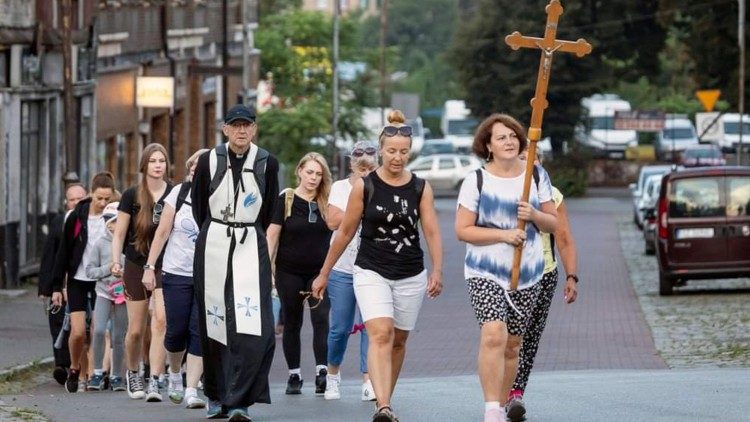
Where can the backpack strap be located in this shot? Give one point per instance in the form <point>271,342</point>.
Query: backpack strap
<point>552,246</point>
<point>221,168</point>
<point>182,196</point>
<point>288,201</point>
<point>368,192</point>
<point>535,173</point>
<point>259,169</point>
<point>419,188</point>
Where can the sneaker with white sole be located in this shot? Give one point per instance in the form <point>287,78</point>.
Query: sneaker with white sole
<point>135,385</point>
<point>175,390</point>
<point>368,393</point>
<point>332,387</point>
<point>153,394</point>
<point>194,402</point>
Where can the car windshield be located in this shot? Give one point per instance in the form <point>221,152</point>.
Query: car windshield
<point>733,128</point>
<point>462,127</point>
<point>697,197</point>
<point>602,123</point>
<point>437,149</point>
<point>678,133</point>
<point>702,153</point>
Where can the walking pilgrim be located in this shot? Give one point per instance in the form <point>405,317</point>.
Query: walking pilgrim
<point>233,192</point>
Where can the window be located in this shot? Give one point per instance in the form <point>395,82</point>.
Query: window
<point>446,164</point>
<point>698,197</point>
<point>602,123</point>
<point>4,68</point>
<point>465,162</point>
<point>424,164</point>
<point>738,196</point>
<point>678,133</point>
<point>322,4</point>
<point>733,128</point>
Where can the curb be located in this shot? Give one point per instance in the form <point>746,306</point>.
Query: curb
<point>25,366</point>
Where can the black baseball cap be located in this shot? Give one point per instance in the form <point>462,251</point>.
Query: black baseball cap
<point>239,112</point>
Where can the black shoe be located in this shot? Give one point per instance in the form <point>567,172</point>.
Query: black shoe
<point>294,385</point>
<point>384,414</point>
<point>320,381</point>
<point>105,382</point>
<point>60,375</point>
<point>71,384</point>
<point>515,410</point>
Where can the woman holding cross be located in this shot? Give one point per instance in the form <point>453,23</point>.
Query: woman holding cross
<point>487,220</point>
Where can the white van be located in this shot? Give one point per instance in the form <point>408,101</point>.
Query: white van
<point>677,135</point>
<point>596,128</point>
<point>731,138</point>
<point>458,125</point>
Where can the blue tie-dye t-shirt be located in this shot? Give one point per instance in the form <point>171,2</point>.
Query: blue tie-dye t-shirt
<point>498,208</point>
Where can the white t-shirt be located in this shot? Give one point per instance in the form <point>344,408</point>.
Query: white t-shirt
<point>339,198</point>
<point>498,208</point>
<point>178,256</point>
<point>96,229</point>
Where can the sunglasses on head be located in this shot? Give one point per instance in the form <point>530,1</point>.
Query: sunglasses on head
<point>393,130</point>
<point>358,152</point>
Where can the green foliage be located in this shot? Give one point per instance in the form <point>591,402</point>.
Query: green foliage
<point>569,173</point>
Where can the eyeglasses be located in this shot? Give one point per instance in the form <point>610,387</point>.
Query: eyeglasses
<point>156,216</point>
<point>358,152</point>
<point>308,297</point>
<point>393,130</point>
<point>311,216</point>
<point>241,125</point>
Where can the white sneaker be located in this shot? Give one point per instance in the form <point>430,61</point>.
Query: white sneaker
<point>175,390</point>
<point>332,387</point>
<point>368,393</point>
<point>195,402</point>
<point>153,394</point>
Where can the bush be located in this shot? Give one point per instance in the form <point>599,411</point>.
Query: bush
<point>569,173</point>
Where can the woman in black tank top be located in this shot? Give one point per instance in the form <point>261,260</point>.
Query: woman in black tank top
<point>389,203</point>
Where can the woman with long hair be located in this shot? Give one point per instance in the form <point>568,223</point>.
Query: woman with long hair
<point>298,240</point>
<point>82,229</point>
<point>390,279</point>
<point>178,231</point>
<point>138,216</point>
<point>487,220</point>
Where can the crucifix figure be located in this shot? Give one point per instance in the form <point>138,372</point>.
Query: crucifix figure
<point>227,213</point>
<point>548,46</point>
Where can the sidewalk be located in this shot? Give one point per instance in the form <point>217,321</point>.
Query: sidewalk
<point>23,330</point>
<point>652,395</point>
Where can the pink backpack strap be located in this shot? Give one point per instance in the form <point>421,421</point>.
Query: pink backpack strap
<point>77,229</point>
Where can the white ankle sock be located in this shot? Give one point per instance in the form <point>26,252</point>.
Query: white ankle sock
<point>98,371</point>
<point>175,377</point>
<point>489,405</point>
<point>191,392</point>
<point>295,371</point>
<point>334,377</point>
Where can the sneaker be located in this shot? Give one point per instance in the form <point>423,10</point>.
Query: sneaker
<point>294,384</point>
<point>135,385</point>
<point>60,375</point>
<point>95,383</point>
<point>105,382</point>
<point>238,414</point>
<point>175,391</point>
<point>332,388</point>
<point>194,402</point>
<point>494,415</point>
<point>320,381</point>
<point>368,393</point>
<point>154,392</point>
<point>163,383</point>
<point>214,410</point>
<point>117,383</point>
<point>384,414</point>
<point>515,409</point>
<point>71,384</point>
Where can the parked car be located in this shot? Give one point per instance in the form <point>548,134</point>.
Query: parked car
<point>647,208</point>
<point>702,155</point>
<point>678,134</point>
<point>637,189</point>
<point>703,229</point>
<point>437,146</point>
<point>444,171</point>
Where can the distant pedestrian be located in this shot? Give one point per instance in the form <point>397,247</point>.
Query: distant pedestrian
<point>298,240</point>
<point>563,240</point>
<point>389,275</point>
<point>110,308</point>
<point>341,282</point>
<point>138,216</point>
<point>83,228</point>
<point>179,232</point>
<point>489,207</point>
<point>74,193</point>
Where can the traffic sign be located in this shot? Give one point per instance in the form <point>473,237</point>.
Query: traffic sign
<point>709,126</point>
<point>708,98</point>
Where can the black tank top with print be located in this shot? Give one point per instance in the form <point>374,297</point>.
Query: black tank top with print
<point>390,237</point>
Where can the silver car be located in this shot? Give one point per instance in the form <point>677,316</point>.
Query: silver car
<point>444,171</point>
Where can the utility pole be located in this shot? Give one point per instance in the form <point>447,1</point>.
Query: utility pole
<point>335,100</point>
<point>741,38</point>
<point>249,94</point>
<point>165,17</point>
<point>69,132</point>
<point>383,30</point>
<point>224,56</point>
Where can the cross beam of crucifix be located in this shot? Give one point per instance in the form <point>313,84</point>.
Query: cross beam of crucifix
<point>548,46</point>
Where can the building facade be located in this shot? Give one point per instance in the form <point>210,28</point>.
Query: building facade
<point>115,42</point>
<point>368,7</point>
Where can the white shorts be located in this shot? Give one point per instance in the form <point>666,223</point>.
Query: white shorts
<point>380,297</point>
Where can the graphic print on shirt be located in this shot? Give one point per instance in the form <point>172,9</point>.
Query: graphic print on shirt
<point>397,237</point>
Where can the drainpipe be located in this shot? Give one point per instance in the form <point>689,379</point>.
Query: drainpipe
<point>165,45</point>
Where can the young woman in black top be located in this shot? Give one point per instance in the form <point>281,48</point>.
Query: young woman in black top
<point>389,275</point>
<point>137,218</point>
<point>81,230</point>
<point>302,237</point>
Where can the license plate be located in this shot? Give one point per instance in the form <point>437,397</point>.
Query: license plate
<point>695,233</point>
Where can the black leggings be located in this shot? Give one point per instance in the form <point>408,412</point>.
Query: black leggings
<point>292,306</point>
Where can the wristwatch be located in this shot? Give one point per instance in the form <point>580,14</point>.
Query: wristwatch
<point>573,276</point>
<point>153,267</point>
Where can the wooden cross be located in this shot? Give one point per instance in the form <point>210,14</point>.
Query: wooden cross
<point>549,45</point>
<point>227,213</point>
